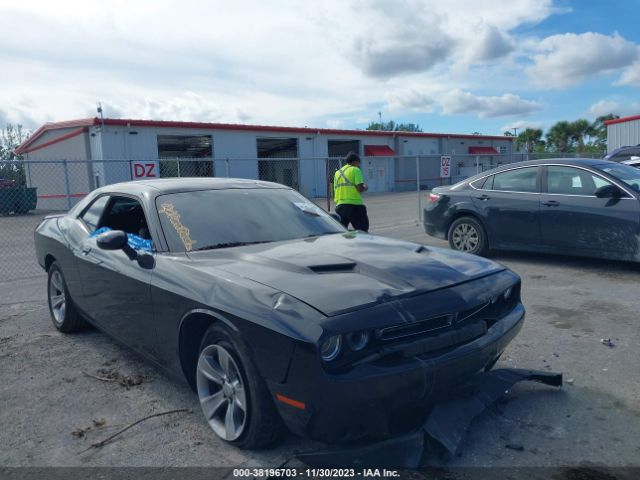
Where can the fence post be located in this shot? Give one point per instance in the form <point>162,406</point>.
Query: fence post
<point>66,184</point>
<point>226,167</point>
<point>178,162</point>
<point>418,189</point>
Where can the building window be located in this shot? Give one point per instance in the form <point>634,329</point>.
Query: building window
<point>339,148</point>
<point>277,160</point>
<point>185,155</point>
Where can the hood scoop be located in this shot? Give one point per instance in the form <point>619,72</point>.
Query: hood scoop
<point>346,267</point>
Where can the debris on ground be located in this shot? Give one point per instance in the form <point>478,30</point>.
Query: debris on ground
<point>607,342</point>
<point>102,443</point>
<point>113,375</point>
<point>570,381</point>
<point>515,446</point>
<point>82,432</point>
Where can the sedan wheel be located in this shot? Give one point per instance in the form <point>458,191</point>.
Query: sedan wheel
<point>465,238</point>
<point>466,234</point>
<point>221,390</point>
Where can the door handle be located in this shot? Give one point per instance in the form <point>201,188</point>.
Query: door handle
<point>483,197</point>
<point>551,203</point>
<point>86,249</point>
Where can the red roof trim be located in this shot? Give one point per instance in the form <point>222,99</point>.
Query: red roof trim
<point>622,120</point>
<point>483,151</point>
<point>378,151</point>
<point>22,148</point>
<point>87,122</point>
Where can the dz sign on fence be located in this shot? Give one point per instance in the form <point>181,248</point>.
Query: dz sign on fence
<point>144,169</point>
<point>445,166</point>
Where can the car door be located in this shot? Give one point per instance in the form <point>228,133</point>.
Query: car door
<point>574,218</point>
<point>509,203</point>
<point>116,287</point>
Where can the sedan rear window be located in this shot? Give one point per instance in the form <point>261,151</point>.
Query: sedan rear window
<point>210,219</point>
<point>517,180</point>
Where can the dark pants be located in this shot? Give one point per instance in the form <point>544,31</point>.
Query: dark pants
<point>354,214</point>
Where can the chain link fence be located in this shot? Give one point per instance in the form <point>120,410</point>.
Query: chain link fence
<point>31,189</point>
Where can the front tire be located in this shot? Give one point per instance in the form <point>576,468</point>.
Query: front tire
<point>234,398</point>
<point>63,312</point>
<point>467,234</point>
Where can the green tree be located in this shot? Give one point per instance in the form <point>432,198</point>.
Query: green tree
<point>599,141</point>
<point>11,136</point>
<point>530,140</point>
<point>580,130</point>
<point>507,133</point>
<point>559,137</point>
<point>392,126</point>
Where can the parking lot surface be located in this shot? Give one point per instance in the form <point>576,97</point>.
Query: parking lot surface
<point>54,406</point>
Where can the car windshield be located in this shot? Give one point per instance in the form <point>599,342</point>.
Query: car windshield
<point>626,173</point>
<point>211,219</point>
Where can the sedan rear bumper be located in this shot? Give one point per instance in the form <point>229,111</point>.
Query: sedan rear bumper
<point>379,399</point>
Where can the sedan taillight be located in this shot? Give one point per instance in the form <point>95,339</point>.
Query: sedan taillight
<point>433,197</point>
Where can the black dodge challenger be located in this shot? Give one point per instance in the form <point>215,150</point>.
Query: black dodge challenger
<point>272,311</point>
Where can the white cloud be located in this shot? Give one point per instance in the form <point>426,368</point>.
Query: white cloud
<point>415,99</point>
<point>605,107</point>
<point>568,59</point>
<point>459,101</point>
<point>631,75</point>
<point>277,62</point>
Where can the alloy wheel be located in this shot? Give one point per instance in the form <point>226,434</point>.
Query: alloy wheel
<point>221,392</point>
<point>465,238</point>
<point>57,297</point>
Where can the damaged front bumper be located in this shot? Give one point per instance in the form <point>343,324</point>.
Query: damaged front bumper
<point>380,399</point>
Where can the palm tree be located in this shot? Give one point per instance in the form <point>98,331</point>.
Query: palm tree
<point>579,130</point>
<point>530,138</point>
<point>559,137</point>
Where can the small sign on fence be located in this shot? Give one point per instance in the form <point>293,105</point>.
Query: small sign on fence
<point>445,166</point>
<point>141,169</point>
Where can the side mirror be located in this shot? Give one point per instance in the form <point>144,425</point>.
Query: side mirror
<point>112,240</point>
<point>608,191</point>
<point>335,216</point>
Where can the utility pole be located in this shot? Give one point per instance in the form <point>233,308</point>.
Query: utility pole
<point>380,120</point>
<point>515,131</point>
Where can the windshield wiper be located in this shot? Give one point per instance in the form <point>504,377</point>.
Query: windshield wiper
<point>228,245</point>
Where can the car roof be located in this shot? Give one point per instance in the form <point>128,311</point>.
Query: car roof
<point>160,186</point>
<point>578,162</point>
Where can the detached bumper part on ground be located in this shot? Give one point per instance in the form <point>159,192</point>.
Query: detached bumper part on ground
<point>444,428</point>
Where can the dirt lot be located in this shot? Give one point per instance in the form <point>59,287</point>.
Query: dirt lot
<point>46,394</point>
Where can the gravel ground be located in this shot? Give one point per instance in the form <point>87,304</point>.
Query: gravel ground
<point>50,406</point>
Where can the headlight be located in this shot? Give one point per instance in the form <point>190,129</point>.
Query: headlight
<point>357,340</point>
<point>507,293</point>
<point>330,348</point>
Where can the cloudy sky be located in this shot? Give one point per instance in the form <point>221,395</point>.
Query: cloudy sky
<point>458,66</point>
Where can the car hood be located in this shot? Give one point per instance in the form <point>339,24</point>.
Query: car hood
<point>344,272</point>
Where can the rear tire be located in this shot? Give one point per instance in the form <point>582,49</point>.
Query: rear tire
<point>466,234</point>
<point>63,312</point>
<point>234,398</point>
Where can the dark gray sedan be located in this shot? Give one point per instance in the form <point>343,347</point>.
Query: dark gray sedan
<point>587,207</point>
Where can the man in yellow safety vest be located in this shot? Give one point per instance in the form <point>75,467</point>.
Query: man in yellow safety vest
<point>347,186</point>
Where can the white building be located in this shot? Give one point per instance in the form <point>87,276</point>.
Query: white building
<point>623,132</point>
<point>65,160</point>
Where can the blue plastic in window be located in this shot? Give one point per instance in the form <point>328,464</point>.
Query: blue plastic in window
<point>134,241</point>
